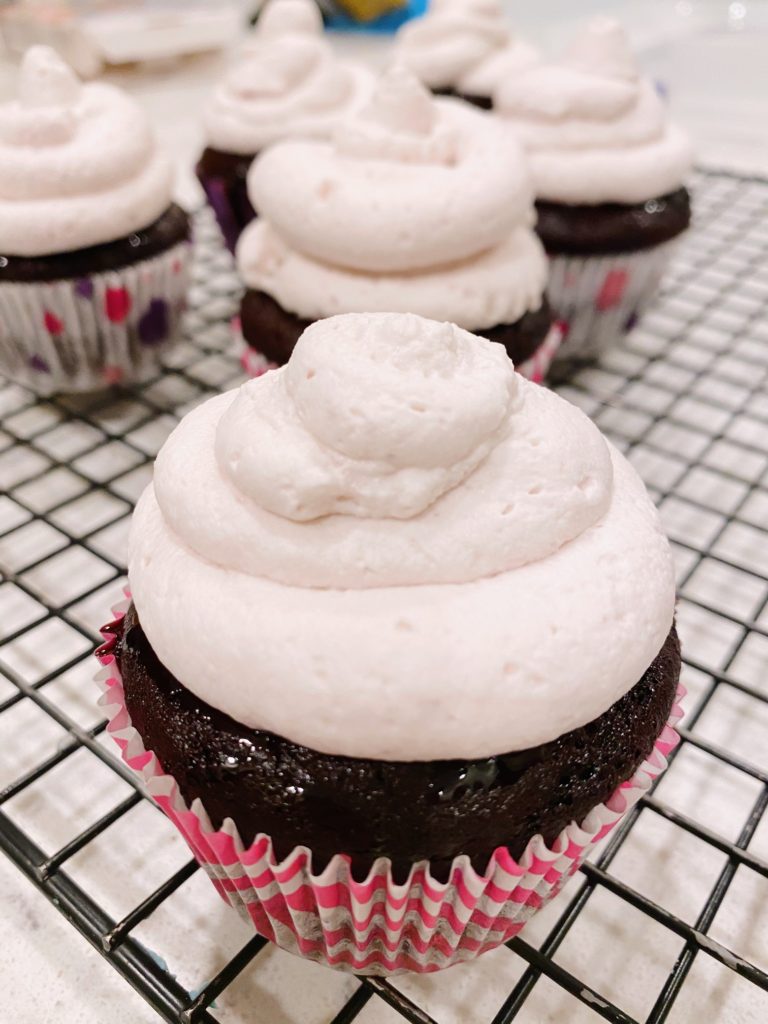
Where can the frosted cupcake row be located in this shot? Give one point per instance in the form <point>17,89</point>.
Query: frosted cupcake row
<point>606,169</point>
<point>372,196</point>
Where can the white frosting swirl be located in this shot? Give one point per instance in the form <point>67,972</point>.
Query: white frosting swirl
<point>496,287</point>
<point>596,132</point>
<point>465,45</point>
<point>287,84</point>
<point>409,183</point>
<point>397,527</point>
<point>78,163</point>
<point>377,424</point>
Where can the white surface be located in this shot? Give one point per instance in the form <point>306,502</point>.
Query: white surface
<point>55,977</point>
<point>51,976</point>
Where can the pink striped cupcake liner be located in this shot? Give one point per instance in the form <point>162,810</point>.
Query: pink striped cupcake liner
<point>599,299</point>
<point>375,926</point>
<point>86,333</point>
<point>536,368</point>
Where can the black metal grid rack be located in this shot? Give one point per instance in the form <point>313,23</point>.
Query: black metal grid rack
<point>685,397</point>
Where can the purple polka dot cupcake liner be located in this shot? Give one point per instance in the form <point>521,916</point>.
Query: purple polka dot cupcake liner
<point>598,299</point>
<point>230,204</point>
<point>87,333</point>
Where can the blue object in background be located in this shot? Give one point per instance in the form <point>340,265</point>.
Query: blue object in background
<point>386,23</point>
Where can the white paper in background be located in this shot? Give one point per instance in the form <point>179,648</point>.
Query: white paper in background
<point>91,34</point>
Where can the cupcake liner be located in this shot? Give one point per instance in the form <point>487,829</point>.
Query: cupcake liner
<point>535,368</point>
<point>599,298</point>
<point>375,926</point>
<point>85,333</point>
<point>228,198</point>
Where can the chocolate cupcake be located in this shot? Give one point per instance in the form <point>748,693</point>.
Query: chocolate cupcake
<point>286,84</point>
<point>401,647</point>
<point>609,173</point>
<point>418,205</point>
<point>94,255</point>
<point>463,48</point>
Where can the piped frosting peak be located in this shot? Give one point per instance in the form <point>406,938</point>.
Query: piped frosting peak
<point>287,83</point>
<point>374,418</point>
<point>596,130</point>
<point>602,48</point>
<point>78,163</point>
<point>400,122</point>
<point>45,80</point>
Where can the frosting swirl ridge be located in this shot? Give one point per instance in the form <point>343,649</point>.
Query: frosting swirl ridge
<point>409,182</point>
<point>595,130</point>
<point>496,287</point>
<point>439,535</point>
<point>78,163</point>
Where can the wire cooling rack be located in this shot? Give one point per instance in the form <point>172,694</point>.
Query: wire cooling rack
<point>668,923</point>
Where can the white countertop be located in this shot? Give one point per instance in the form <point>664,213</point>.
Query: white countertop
<point>718,83</point>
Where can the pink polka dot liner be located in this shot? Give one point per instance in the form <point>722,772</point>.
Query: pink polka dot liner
<point>87,333</point>
<point>374,926</point>
<point>600,298</point>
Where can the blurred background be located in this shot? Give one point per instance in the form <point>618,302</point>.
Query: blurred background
<point>709,55</point>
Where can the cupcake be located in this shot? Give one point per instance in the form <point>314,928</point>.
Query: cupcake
<point>401,646</point>
<point>286,84</point>
<point>93,271</point>
<point>463,48</point>
<point>608,170</point>
<point>417,205</point>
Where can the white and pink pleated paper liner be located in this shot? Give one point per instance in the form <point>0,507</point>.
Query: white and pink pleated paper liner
<point>375,926</point>
<point>536,368</point>
<point>598,299</point>
<point>87,333</point>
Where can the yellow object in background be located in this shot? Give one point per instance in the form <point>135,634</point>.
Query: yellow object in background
<point>367,10</point>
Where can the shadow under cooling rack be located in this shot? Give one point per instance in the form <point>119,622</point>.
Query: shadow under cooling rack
<point>678,891</point>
